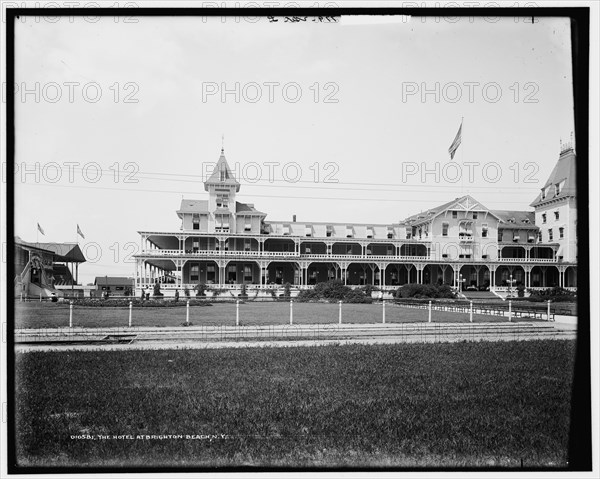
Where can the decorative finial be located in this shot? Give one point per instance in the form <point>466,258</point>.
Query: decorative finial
<point>223,143</point>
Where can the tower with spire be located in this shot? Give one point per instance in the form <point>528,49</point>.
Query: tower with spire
<point>222,188</point>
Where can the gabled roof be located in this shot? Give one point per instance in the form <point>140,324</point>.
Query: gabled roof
<point>466,203</point>
<point>522,219</point>
<point>112,280</point>
<point>241,208</point>
<point>563,170</point>
<point>193,206</point>
<point>222,174</point>
<point>63,252</point>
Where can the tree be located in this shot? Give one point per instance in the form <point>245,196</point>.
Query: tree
<point>157,289</point>
<point>200,289</point>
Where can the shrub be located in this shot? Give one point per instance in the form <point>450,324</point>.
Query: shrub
<point>424,291</point>
<point>557,295</point>
<point>186,292</point>
<point>200,289</point>
<point>157,290</point>
<point>333,291</point>
<point>287,291</point>
<point>244,292</point>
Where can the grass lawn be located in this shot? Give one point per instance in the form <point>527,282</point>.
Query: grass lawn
<point>51,315</point>
<point>460,404</point>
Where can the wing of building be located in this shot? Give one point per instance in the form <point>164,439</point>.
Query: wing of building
<point>224,243</point>
<point>44,269</point>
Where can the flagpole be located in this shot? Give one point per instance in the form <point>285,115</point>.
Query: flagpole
<point>462,153</point>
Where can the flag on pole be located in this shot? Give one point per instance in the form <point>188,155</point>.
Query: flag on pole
<point>79,232</point>
<point>40,229</point>
<point>456,143</point>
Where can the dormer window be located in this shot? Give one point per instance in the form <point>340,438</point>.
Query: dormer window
<point>526,221</point>
<point>308,230</point>
<point>370,232</point>
<point>511,220</point>
<point>390,232</point>
<point>329,231</point>
<point>286,230</point>
<point>349,232</point>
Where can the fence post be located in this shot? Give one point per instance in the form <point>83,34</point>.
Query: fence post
<point>237,312</point>
<point>509,311</point>
<point>340,321</point>
<point>429,319</point>
<point>291,312</point>
<point>21,296</point>
<point>471,312</point>
<point>70,314</point>
<point>130,312</point>
<point>40,297</point>
<point>187,312</point>
<point>383,311</point>
<point>548,310</point>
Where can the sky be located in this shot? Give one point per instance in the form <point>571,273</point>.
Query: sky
<point>343,122</point>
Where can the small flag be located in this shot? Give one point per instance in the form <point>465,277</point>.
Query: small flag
<point>79,232</point>
<point>40,229</point>
<point>456,143</point>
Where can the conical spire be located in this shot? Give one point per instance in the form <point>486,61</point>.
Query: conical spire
<point>222,174</point>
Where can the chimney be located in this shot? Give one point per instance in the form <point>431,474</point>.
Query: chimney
<point>294,219</point>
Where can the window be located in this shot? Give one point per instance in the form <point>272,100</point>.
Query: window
<point>307,249</point>
<point>556,215</point>
<point>484,230</point>
<point>222,200</point>
<point>531,237</point>
<point>194,272</point>
<point>247,273</point>
<point>390,250</point>
<point>484,256</point>
<point>210,273</point>
<point>455,214</point>
<point>561,233</point>
<point>286,230</point>
<point>444,256</point>
<point>444,229</point>
<point>540,236</point>
<point>349,232</point>
<point>308,230</point>
<point>499,235</point>
<point>550,235</point>
<point>557,189</point>
<point>516,236</point>
<point>543,217</point>
<point>474,215</point>
<point>246,245</point>
<point>390,232</point>
<point>370,232</point>
<point>248,223</point>
<point>195,246</point>
<point>196,222</point>
<point>329,231</point>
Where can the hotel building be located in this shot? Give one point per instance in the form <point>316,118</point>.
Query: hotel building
<point>224,243</point>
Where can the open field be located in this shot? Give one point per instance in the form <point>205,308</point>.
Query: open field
<point>462,404</point>
<point>52,315</point>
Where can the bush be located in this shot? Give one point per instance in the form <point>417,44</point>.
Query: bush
<point>186,292</point>
<point>287,290</point>
<point>200,289</point>
<point>157,290</point>
<point>557,295</point>
<point>333,291</point>
<point>424,291</point>
<point>244,292</point>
